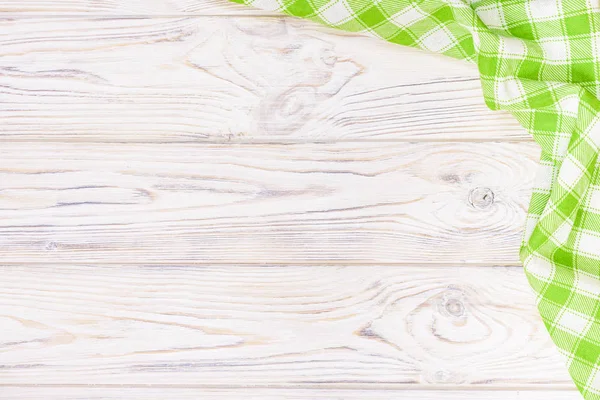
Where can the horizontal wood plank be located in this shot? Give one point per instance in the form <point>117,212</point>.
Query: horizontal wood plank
<point>103,8</point>
<point>275,326</point>
<point>102,393</point>
<point>183,203</point>
<point>231,80</point>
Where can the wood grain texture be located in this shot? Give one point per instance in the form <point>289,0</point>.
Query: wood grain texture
<point>400,203</point>
<point>139,266</point>
<point>231,80</point>
<point>102,393</point>
<point>372,326</point>
<point>101,8</point>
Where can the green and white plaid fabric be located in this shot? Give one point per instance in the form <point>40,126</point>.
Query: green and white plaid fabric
<point>540,60</point>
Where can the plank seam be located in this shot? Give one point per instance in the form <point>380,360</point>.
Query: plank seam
<point>362,386</point>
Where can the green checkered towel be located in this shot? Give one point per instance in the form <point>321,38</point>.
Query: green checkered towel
<point>540,60</point>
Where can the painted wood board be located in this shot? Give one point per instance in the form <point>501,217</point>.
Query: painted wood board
<point>231,80</point>
<point>103,8</point>
<point>160,393</point>
<point>275,326</point>
<point>433,203</point>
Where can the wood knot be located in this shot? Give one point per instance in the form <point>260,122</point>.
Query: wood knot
<point>481,198</point>
<point>454,307</point>
<point>444,376</point>
<point>451,304</point>
<point>51,246</point>
<point>450,178</point>
<point>292,104</point>
<point>328,57</point>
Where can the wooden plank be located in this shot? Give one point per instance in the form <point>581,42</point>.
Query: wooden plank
<point>102,8</point>
<point>101,393</point>
<point>275,326</point>
<point>314,203</point>
<point>231,80</point>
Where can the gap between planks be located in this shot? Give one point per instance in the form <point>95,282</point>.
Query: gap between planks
<point>254,13</point>
<point>249,142</point>
<point>346,387</point>
<point>249,264</point>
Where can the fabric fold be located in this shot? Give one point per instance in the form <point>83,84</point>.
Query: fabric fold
<point>539,60</point>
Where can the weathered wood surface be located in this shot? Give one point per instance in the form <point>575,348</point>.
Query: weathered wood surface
<point>161,393</point>
<point>344,203</point>
<point>103,8</point>
<point>233,80</point>
<point>180,214</point>
<point>274,326</point>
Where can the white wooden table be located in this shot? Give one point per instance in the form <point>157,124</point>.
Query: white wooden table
<point>201,199</point>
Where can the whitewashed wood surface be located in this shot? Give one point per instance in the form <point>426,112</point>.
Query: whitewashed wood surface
<point>274,326</point>
<point>230,79</point>
<point>443,203</point>
<point>198,199</point>
<point>111,393</point>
